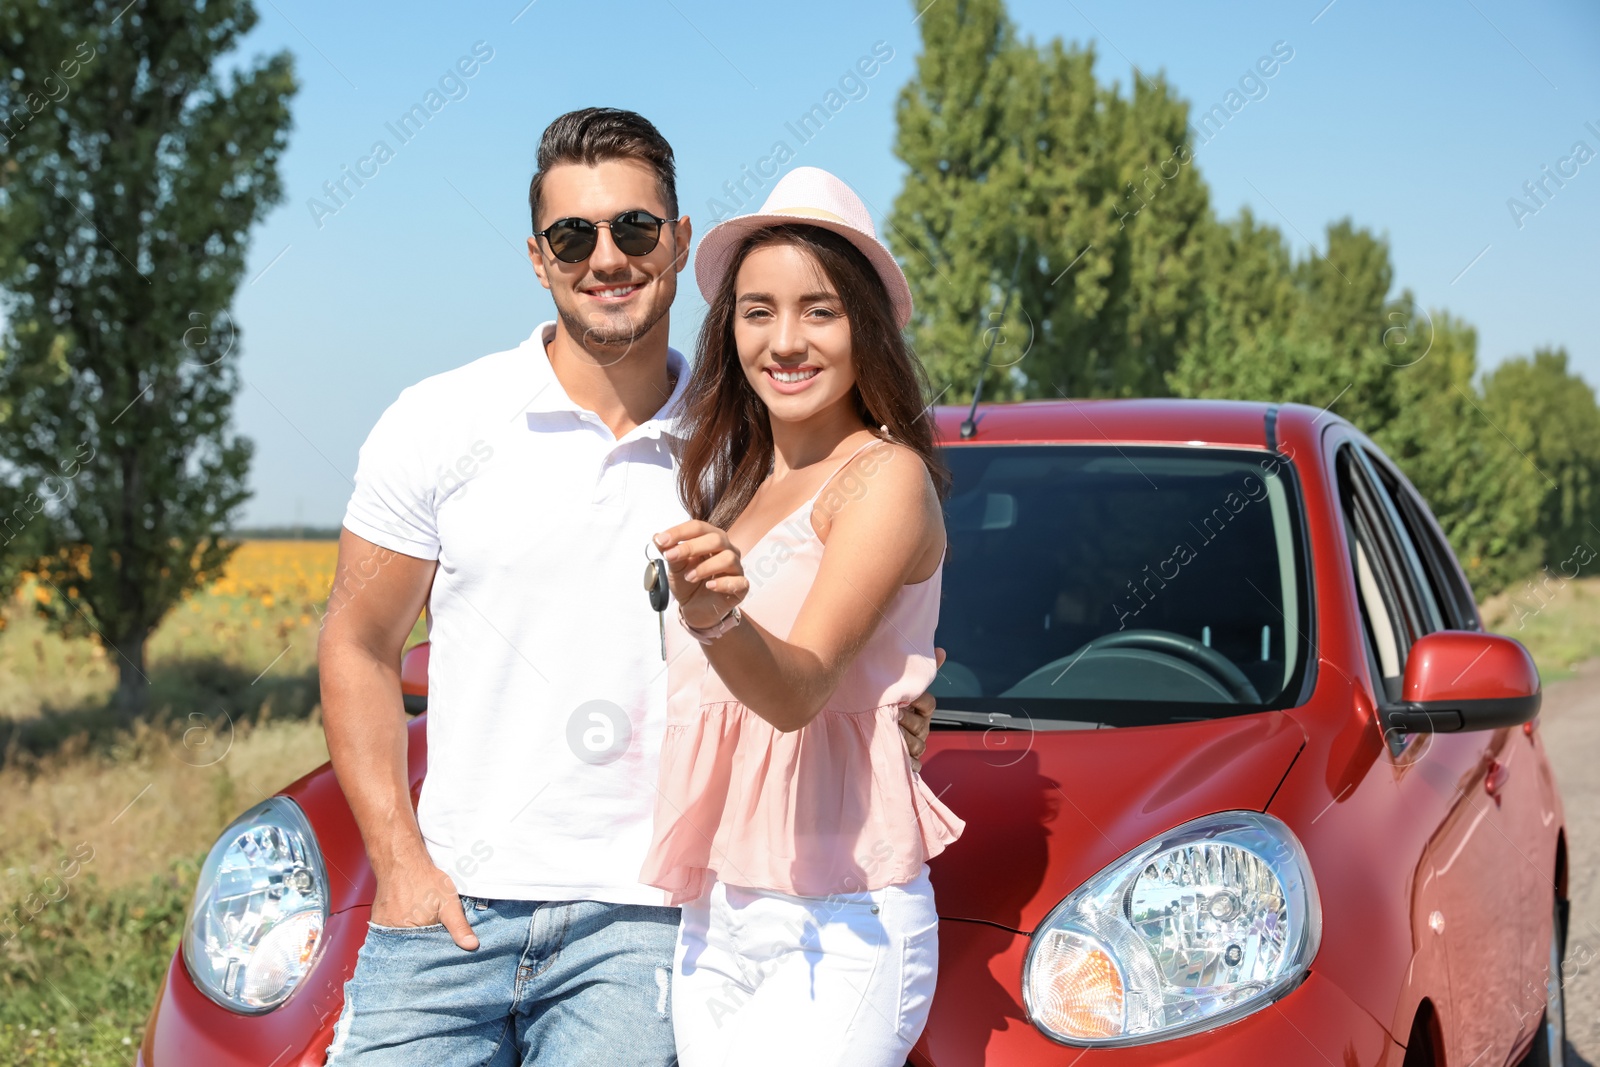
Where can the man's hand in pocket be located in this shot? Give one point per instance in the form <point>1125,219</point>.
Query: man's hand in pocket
<point>421,895</point>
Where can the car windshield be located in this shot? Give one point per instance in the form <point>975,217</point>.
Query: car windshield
<point>1090,586</point>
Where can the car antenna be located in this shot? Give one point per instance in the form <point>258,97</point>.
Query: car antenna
<point>969,425</point>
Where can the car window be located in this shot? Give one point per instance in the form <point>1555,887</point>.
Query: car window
<point>1383,628</point>
<point>1387,616</point>
<point>1444,580</point>
<point>1407,562</point>
<point>1122,585</point>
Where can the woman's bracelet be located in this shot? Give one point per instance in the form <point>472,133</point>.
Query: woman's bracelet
<point>708,634</point>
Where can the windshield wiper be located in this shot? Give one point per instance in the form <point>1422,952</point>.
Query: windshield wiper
<point>1001,721</point>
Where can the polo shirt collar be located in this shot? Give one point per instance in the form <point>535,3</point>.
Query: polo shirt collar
<point>549,396</point>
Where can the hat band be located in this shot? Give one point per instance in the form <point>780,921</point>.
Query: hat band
<point>812,213</point>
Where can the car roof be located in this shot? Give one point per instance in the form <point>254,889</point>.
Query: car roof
<point>1121,421</point>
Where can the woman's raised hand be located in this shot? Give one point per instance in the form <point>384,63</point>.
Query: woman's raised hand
<point>704,570</point>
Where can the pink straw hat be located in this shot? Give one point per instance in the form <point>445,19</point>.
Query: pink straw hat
<point>812,197</point>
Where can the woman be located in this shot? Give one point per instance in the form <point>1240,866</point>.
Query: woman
<point>790,823</point>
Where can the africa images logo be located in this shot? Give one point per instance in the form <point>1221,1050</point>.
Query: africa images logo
<point>852,86</point>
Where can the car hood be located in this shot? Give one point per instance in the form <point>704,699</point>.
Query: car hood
<point>1045,810</point>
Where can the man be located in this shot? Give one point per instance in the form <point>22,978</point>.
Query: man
<point>515,497</point>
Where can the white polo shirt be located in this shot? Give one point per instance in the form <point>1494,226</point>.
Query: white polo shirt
<point>546,687</point>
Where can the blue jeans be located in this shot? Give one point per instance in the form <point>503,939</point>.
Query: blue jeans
<point>552,984</point>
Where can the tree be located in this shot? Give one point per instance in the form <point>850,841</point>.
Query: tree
<point>1323,331</point>
<point>18,536</point>
<point>1021,164</point>
<point>1482,492</point>
<point>1552,427</point>
<point>1319,331</point>
<point>1018,159</point>
<point>1248,280</point>
<point>135,173</point>
<point>951,121</point>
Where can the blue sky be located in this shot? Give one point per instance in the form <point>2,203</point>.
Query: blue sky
<point>1420,121</point>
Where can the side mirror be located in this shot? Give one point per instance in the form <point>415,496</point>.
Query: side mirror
<point>414,679</point>
<point>1465,680</point>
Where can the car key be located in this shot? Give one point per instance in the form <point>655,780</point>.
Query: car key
<point>655,583</point>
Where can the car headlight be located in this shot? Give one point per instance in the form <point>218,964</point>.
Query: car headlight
<point>1211,921</point>
<point>259,908</point>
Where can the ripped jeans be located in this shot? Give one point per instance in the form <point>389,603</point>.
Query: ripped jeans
<point>551,984</point>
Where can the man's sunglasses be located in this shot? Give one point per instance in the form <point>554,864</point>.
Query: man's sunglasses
<point>573,240</point>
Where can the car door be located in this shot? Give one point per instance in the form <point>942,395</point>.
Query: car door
<point>1468,873</point>
<point>1508,756</point>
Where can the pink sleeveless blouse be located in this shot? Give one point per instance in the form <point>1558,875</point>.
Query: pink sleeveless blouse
<point>833,807</point>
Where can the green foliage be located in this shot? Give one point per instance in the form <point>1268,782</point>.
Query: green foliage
<point>1323,331</point>
<point>18,542</point>
<point>1557,619</point>
<point>1551,423</point>
<point>1130,286</point>
<point>135,171</point>
<point>1015,150</point>
<point>78,977</point>
<point>951,120</point>
<point>1483,494</point>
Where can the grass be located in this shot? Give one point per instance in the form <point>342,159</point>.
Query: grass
<point>104,826</point>
<point>264,611</point>
<point>89,917</point>
<point>1558,620</point>
<point>245,648</point>
<point>76,983</point>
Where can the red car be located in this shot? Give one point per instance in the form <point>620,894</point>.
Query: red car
<point>1245,782</point>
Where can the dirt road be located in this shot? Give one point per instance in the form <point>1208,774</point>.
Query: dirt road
<point>1571,729</point>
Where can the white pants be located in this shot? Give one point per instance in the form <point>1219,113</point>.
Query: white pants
<point>766,978</point>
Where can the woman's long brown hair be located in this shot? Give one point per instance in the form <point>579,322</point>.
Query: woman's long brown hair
<point>725,428</point>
